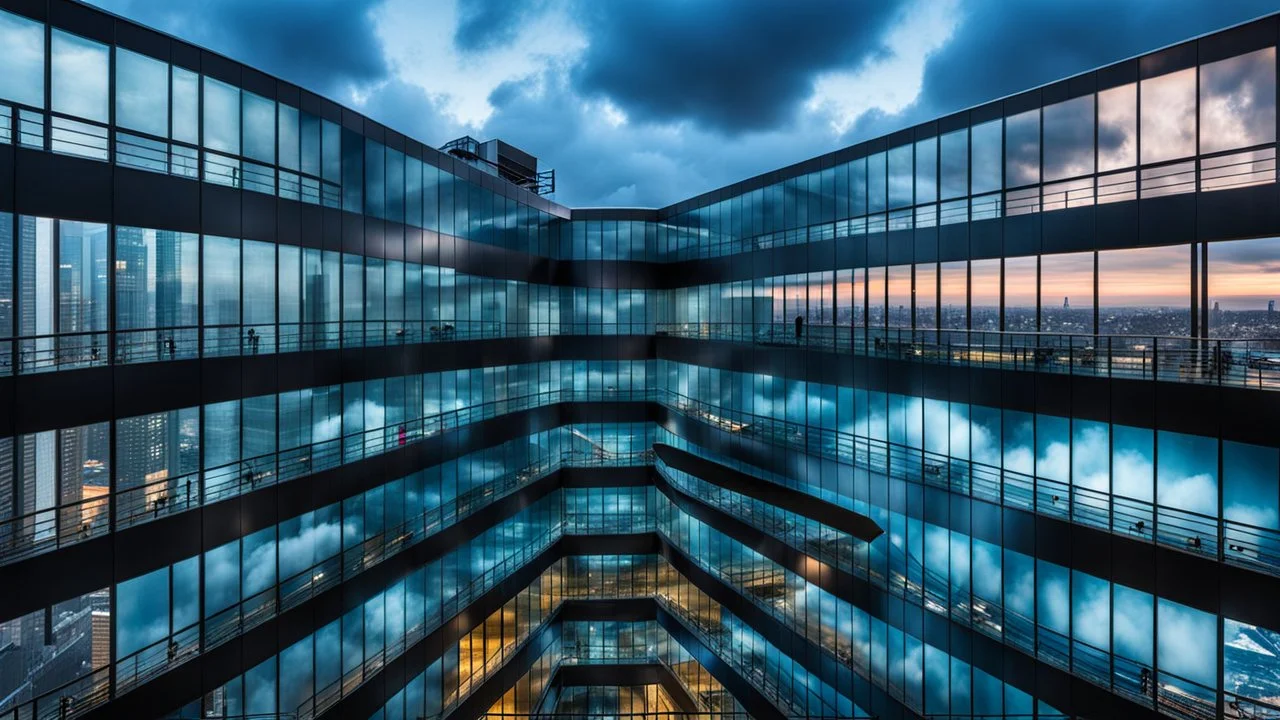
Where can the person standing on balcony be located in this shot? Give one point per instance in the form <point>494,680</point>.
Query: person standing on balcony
<point>799,327</point>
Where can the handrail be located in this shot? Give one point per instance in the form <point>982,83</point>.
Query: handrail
<point>1229,541</point>
<point>48,529</point>
<point>124,346</point>
<point>1234,362</point>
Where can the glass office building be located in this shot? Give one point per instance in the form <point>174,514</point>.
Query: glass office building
<point>300,417</point>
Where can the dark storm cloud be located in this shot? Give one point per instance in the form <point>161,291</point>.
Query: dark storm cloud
<point>1005,47</point>
<point>322,45</point>
<point>729,65</point>
<point>483,24</point>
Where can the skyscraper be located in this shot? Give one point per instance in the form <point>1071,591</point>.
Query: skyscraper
<point>305,418</point>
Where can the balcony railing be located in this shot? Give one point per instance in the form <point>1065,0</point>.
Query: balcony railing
<point>1250,363</point>
<point>1249,546</point>
<point>49,529</point>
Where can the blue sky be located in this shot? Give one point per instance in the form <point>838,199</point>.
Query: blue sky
<point>647,102</point>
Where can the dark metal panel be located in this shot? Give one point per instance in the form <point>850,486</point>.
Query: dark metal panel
<point>1069,230</point>
<point>61,186</point>
<point>857,525</point>
<point>144,199</point>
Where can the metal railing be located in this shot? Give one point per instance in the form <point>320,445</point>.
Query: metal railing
<point>49,529</point>
<point>1228,541</point>
<point>68,351</point>
<point>1251,363</point>
<point>1207,173</point>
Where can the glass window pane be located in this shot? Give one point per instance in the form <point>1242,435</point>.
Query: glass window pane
<point>1187,472</point>
<point>1068,138</point>
<point>259,128</point>
<point>142,611</point>
<point>1066,293</point>
<point>142,93</point>
<point>900,177</point>
<point>288,137</point>
<point>927,170</point>
<point>899,302</point>
<point>79,76</point>
<point>1118,127</point>
<point>221,116</point>
<point>1244,288</point>
<point>876,187</point>
<point>1022,149</point>
<point>1020,294</point>
<point>986,157</point>
<point>1169,116</point>
<point>186,106</point>
<point>1186,637</point>
<point>310,141</point>
<point>954,289</point>
<point>22,41</point>
<point>332,147</point>
<point>984,285</point>
<point>1250,475</point>
<point>1145,291</point>
<point>1238,101</point>
<point>955,164</point>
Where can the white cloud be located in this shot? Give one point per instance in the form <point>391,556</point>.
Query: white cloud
<point>889,82</point>
<point>418,39</point>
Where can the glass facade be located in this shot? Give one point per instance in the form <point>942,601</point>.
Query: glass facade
<point>301,418</point>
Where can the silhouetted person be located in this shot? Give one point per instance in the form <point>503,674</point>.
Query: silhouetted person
<point>799,327</point>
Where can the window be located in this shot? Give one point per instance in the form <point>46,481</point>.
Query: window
<point>142,93</point>
<point>876,186</point>
<point>142,612</point>
<point>986,158</point>
<point>79,76</point>
<point>221,309</point>
<point>1238,101</point>
<point>1022,149</point>
<point>926,295</point>
<point>1068,138</point>
<point>900,177</point>
<point>857,187</point>
<point>899,288</point>
<point>1186,636</point>
<point>186,106</point>
<point>1250,475</point>
<point>927,171</point>
<point>1132,464</point>
<point>288,122</point>
<point>1066,293</point>
<point>955,164</point>
<point>221,116</point>
<point>157,273</point>
<point>1145,291</point>
<point>310,143</point>
<point>1244,288</point>
<point>1169,116</point>
<point>77,258</point>
<point>1187,472</point>
<point>954,290</point>
<point>259,116</point>
<point>1090,454</point>
<point>352,168</point>
<point>331,137</point>
<point>395,185</point>
<point>375,178</point>
<point>22,45</point>
<point>1118,127</point>
<point>984,285</point>
<point>1020,294</point>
